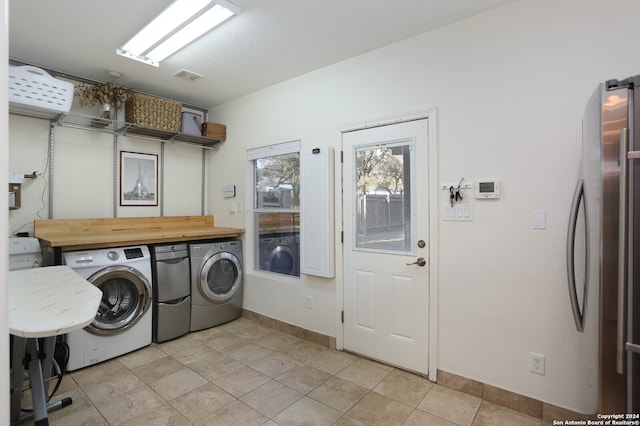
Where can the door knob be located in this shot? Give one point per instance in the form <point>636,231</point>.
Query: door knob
<point>420,262</point>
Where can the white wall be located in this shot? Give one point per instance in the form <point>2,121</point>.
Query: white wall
<point>510,87</point>
<point>84,173</point>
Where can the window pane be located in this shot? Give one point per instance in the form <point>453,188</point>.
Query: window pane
<point>279,242</point>
<point>383,198</point>
<point>278,181</point>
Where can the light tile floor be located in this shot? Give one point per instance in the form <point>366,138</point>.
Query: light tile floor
<point>244,374</point>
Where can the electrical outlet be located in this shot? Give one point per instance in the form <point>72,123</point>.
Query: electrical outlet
<point>536,363</point>
<point>308,302</point>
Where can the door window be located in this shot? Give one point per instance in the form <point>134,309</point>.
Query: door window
<point>119,301</point>
<point>220,277</point>
<point>382,188</point>
<point>126,297</point>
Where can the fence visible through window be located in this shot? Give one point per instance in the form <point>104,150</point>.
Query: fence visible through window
<point>383,200</point>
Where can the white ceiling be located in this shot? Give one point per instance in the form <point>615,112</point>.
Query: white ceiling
<point>270,42</point>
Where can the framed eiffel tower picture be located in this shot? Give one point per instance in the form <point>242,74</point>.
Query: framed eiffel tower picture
<point>138,179</point>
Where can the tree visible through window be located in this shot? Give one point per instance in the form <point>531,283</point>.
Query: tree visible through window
<point>278,179</point>
<point>379,169</point>
<point>383,204</point>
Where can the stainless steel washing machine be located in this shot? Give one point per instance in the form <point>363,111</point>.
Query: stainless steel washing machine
<point>279,253</point>
<point>124,318</point>
<point>216,283</point>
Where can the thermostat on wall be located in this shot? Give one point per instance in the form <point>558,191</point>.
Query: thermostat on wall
<point>487,189</point>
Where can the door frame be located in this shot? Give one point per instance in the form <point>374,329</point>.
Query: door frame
<point>431,114</point>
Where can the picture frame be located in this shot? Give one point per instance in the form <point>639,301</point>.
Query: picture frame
<point>138,179</point>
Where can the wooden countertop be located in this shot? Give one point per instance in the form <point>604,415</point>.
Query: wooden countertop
<point>80,234</point>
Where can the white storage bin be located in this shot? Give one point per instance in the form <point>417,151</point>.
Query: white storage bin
<point>33,89</point>
<point>191,124</point>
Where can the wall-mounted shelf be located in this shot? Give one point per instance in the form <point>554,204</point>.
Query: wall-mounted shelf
<point>116,129</point>
<point>202,140</point>
<point>135,129</point>
<point>86,122</point>
<point>33,112</point>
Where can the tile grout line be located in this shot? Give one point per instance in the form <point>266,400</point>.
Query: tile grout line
<point>173,352</point>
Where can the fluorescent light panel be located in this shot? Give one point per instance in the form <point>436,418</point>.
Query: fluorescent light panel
<point>171,19</point>
<point>207,21</point>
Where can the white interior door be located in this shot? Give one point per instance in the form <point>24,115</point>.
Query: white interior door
<point>386,231</point>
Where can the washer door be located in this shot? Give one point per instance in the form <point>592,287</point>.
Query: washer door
<point>220,277</point>
<point>281,260</point>
<point>126,297</point>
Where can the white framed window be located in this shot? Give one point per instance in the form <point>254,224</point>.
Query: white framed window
<point>276,207</point>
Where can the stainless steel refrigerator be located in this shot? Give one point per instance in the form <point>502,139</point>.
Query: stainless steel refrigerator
<point>603,244</point>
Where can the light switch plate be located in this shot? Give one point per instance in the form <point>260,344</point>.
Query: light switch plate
<point>539,219</point>
<point>229,191</point>
<point>457,213</point>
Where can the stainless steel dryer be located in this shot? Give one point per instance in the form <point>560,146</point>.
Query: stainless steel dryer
<point>216,282</point>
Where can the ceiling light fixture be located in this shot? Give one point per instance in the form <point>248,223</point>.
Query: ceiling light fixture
<point>178,25</point>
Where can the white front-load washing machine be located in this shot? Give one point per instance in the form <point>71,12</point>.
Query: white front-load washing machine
<point>124,319</point>
<point>216,283</point>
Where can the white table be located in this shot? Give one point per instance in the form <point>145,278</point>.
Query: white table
<point>44,303</point>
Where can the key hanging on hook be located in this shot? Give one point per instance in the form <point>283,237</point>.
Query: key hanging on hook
<point>458,195</point>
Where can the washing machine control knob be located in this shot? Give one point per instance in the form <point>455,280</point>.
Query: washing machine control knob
<point>113,255</point>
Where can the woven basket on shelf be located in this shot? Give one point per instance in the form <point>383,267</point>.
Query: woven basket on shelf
<point>214,131</point>
<point>153,112</point>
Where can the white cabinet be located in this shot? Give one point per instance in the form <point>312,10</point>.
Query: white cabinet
<point>317,234</point>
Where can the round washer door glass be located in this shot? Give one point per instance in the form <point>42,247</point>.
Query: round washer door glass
<point>220,277</point>
<point>126,297</point>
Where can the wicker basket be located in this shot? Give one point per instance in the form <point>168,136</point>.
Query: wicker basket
<point>214,131</point>
<point>151,111</point>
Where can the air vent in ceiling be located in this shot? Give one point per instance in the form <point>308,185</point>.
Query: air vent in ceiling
<point>188,75</point>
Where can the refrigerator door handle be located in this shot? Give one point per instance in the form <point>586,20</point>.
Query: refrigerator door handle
<point>633,347</point>
<point>622,250</point>
<point>578,314</point>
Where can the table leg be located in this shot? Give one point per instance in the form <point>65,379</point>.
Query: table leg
<point>57,256</point>
<point>37,384</point>
<point>47,345</point>
<point>40,357</point>
<point>18,352</point>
